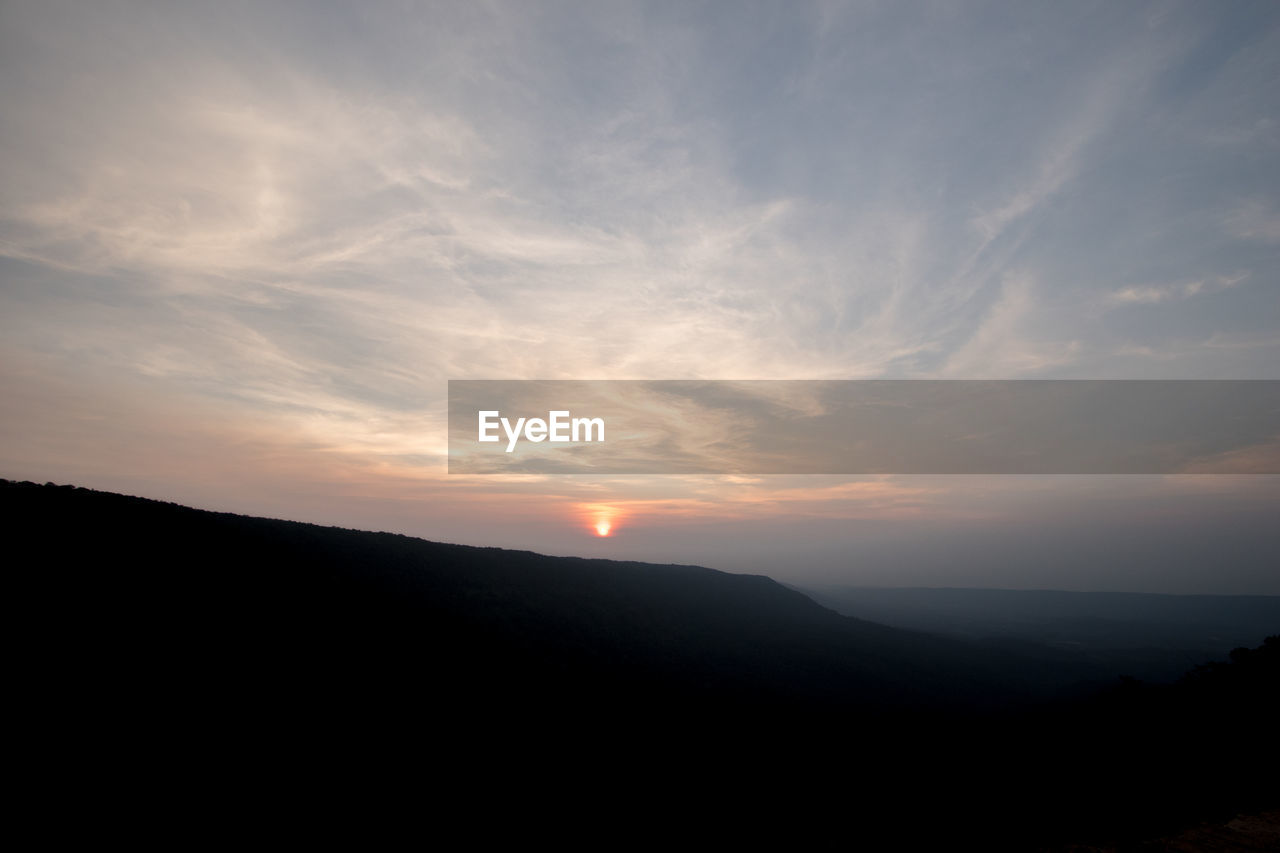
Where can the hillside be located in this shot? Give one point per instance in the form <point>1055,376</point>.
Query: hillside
<point>243,595</point>
<point>188,642</point>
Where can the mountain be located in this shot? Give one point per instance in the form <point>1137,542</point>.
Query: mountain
<point>208,652</point>
<point>259,600</point>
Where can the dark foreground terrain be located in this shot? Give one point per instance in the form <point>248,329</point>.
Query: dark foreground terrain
<point>234,663</point>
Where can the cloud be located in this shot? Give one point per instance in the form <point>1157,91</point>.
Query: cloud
<point>1003,345</point>
<point>1111,88</point>
<point>1156,293</point>
<point>301,220</point>
<point>1254,220</point>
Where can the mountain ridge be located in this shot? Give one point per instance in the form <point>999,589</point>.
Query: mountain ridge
<point>496,591</point>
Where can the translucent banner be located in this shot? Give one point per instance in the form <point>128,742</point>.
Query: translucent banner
<point>864,427</point>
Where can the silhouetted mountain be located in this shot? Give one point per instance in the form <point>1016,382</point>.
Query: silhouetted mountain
<point>200,646</point>
<point>266,600</point>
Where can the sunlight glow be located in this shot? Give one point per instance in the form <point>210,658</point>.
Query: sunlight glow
<point>601,519</point>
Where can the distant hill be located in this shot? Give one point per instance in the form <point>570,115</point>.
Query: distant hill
<point>204,648</point>
<point>1151,637</point>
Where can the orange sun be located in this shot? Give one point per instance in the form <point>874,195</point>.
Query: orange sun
<point>601,519</point>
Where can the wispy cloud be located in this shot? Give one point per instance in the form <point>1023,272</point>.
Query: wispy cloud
<point>1003,346</point>
<point>1254,220</point>
<point>1151,294</point>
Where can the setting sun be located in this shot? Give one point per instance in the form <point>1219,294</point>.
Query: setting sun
<point>601,519</point>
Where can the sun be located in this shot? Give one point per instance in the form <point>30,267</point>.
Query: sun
<point>602,519</point>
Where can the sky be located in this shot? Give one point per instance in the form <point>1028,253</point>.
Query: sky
<point>244,246</point>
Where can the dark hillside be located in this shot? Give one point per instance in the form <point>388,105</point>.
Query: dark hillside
<point>272,601</point>
<point>197,644</point>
